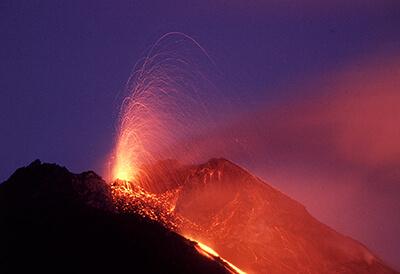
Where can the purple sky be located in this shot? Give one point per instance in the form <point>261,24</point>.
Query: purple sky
<point>64,62</point>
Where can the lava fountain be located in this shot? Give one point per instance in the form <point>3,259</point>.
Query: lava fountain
<point>169,100</point>
<point>166,102</point>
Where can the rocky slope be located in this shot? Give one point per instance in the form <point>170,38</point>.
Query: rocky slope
<point>53,221</point>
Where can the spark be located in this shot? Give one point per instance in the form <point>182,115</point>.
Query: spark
<point>166,101</point>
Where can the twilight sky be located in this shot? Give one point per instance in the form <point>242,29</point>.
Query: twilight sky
<point>315,88</point>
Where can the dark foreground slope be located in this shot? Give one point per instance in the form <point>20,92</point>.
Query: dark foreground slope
<point>53,221</point>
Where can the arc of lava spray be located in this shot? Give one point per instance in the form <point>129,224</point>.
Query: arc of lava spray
<point>167,99</point>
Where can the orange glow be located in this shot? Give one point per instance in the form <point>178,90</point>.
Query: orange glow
<point>124,166</point>
<point>207,249</point>
<point>212,254</point>
<point>130,197</point>
<point>159,108</point>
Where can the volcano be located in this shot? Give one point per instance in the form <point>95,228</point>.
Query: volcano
<point>253,225</point>
<point>56,221</point>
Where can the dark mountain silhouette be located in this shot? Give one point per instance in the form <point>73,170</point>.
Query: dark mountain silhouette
<point>53,221</point>
<point>255,226</point>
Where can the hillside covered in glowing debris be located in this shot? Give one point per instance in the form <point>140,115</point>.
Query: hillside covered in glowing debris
<point>250,223</point>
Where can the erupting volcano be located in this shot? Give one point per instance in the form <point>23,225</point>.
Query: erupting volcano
<point>163,106</point>
<point>165,208</point>
<point>216,204</point>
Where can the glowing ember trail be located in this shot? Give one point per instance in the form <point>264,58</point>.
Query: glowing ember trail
<point>164,105</point>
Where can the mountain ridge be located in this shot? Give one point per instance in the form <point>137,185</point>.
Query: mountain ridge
<point>54,221</point>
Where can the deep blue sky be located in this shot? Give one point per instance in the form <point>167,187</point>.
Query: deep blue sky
<point>62,64</point>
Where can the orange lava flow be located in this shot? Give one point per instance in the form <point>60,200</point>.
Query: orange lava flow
<point>212,254</point>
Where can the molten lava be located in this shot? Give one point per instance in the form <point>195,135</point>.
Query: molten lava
<point>212,254</point>
<point>129,197</point>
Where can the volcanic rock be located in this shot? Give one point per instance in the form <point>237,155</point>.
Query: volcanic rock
<point>53,221</point>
